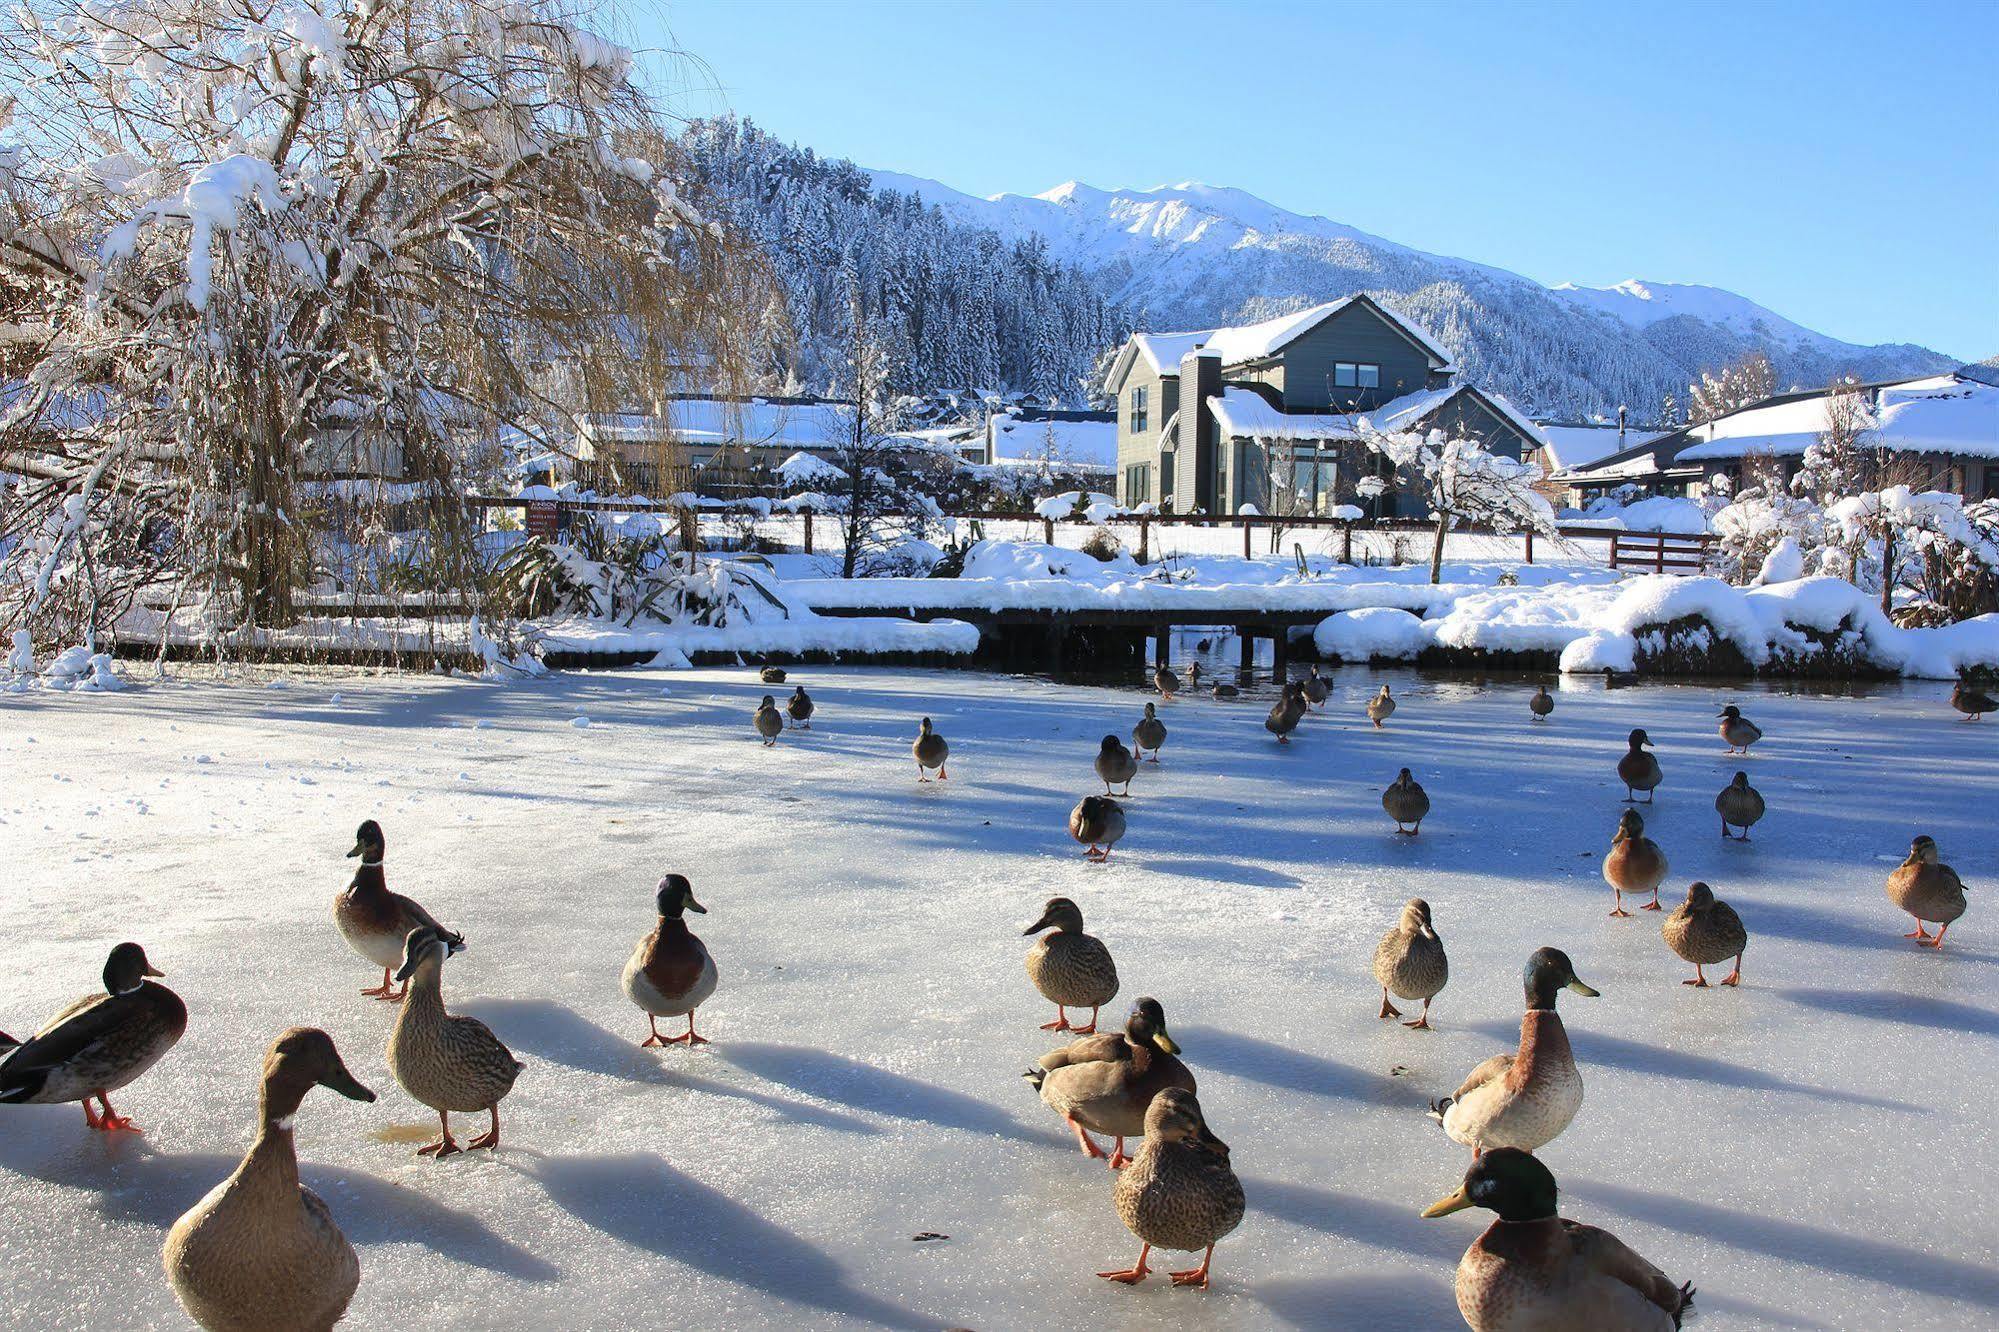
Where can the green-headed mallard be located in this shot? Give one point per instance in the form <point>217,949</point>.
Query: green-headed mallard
<point>1532,1271</point>
<point>1409,962</point>
<point>447,1062</point>
<point>1150,733</point>
<point>1317,689</point>
<point>1381,707</point>
<point>670,973</point>
<point>1286,713</point>
<point>375,921</point>
<point>1166,682</point>
<point>1927,890</point>
<point>1973,703</point>
<point>1738,730</point>
<point>1070,968</point>
<point>1638,770</point>
<point>1542,704</point>
<point>1706,932</point>
<point>769,724</point>
<point>931,752</point>
<point>1524,1099</point>
<point>1116,766</point>
<point>1097,822</point>
<point>98,1044</point>
<point>260,1242</point>
<point>1406,802</point>
<point>1634,864</point>
<point>1110,1095</point>
<point>1739,805</point>
<point>1179,1191</point>
<point>799,707</point>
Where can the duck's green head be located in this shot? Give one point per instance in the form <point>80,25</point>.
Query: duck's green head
<point>1146,1027</point>
<point>1505,1180</point>
<point>1059,914</point>
<point>127,968</point>
<point>1175,1116</point>
<point>1731,712</point>
<point>368,841</point>
<point>305,1057</point>
<point>423,944</point>
<point>676,895</point>
<point>1547,971</point>
<point>1629,825</point>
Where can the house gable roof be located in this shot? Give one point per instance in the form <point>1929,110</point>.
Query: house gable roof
<point>1247,343</point>
<point>1243,412</point>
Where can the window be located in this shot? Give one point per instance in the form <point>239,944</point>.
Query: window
<point>1138,412</point>
<point>1992,483</point>
<point>1138,483</point>
<point>1370,376</point>
<point>1356,374</point>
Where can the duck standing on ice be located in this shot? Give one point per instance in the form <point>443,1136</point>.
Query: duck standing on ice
<point>1071,969</point>
<point>1410,962</point>
<point>1635,864</point>
<point>1286,713</point>
<point>1381,707</point>
<point>1738,730</point>
<point>1973,703</point>
<point>1928,890</point>
<point>1542,705</point>
<point>1105,1086</point>
<point>100,1043</point>
<point>931,752</point>
<point>1527,1098</point>
<point>1116,766</point>
<point>1406,802</point>
<point>1638,770</point>
<point>1739,805</point>
<point>1098,823</point>
<point>1706,932</point>
<point>446,1061</point>
<point>799,707</point>
<point>1150,733</point>
<point>1166,682</point>
<point>375,921</point>
<point>670,973</point>
<point>767,721</point>
<point>1179,1191</point>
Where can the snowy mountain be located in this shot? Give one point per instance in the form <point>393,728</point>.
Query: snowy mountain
<point>1194,255</point>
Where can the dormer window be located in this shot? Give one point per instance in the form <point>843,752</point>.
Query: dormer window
<point>1356,375</point>
<point>1139,421</point>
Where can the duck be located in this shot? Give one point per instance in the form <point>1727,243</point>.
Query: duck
<point>1381,707</point>
<point>449,1062</point>
<point>1706,932</point>
<point>1150,733</point>
<point>1638,770</point>
<point>768,723</point>
<point>1317,689</point>
<point>1222,693</point>
<point>1103,1046</point>
<point>1410,961</point>
<point>1194,673</point>
<point>1097,822</point>
<point>260,1240</point>
<point>1179,1191</point>
<point>1635,864</point>
<point>1165,681</point>
<point>1973,703</point>
<point>1285,714</point>
<point>1542,705</point>
<point>1524,1099</point>
<point>1406,802</point>
<point>98,1044</point>
<point>1110,1096</point>
<point>931,752</point>
<point>375,921</point>
<point>1070,968</point>
<point>1738,730</point>
<point>1116,765</point>
<point>1921,886</point>
<point>799,707</point>
<point>670,973</point>
<point>1739,805</point>
<point>771,675</point>
<point>1204,645</point>
<point>1532,1270</point>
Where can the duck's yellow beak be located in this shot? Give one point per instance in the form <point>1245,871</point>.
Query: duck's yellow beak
<point>1583,989</point>
<point>1165,1042</point>
<point>1457,1202</point>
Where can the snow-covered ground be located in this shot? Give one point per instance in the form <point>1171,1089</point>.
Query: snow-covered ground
<point>1810,1150</point>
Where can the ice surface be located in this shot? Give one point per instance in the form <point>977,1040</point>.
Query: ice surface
<point>1809,1151</point>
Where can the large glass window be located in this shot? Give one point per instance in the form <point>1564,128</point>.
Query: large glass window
<point>1139,414</point>
<point>1356,374</point>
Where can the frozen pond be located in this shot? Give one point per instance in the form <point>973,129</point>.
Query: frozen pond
<point>1809,1151</point>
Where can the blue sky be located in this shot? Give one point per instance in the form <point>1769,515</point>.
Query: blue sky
<point>1838,162</point>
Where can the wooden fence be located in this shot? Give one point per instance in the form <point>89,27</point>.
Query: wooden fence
<point>1659,552</point>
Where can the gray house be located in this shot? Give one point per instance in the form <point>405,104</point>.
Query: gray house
<point>1270,414</point>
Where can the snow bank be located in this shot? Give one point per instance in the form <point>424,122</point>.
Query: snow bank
<point>1371,632</point>
<point>835,636</point>
<point>75,670</point>
<point>1660,513</point>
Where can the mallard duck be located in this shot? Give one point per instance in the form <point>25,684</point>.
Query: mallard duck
<point>1381,707</point>
<point>1638,770</point>
<point>375,921</point>
<point>767,721</point>
<point>1634,864</point>
<point>1285,714</point>
<point>1409,961</point>
<point>1179,1191</point>
<point>1973,703</point>
<point>799,707</point>
<point>98,1044</point>
<point>771,675</point>
<point>1317,689</point>
<point>1222,693</point>
<point>1406,802</point>
<point>1922,887</point>
<point>1706,932</point>
<point>1150,733</point>
<point>1110,1095</point>
<point>1166,682</point>
<point>1739,805</point>
<point>1116,765</point>
<point>1100,1047</point>
<point>1524,1099</point>
<point>1532,1271</point>
<point>1097,822</point>
<point>931,752</point>
<point>1194,673</point>
<point>1070,968</point>
<point>670,973</point>
<point>1738,730</point>
<point>260,1241</point>
<point>447,1062</point>
<point>1542,705</point>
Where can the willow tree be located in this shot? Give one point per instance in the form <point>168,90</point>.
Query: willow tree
<point>249,242</point>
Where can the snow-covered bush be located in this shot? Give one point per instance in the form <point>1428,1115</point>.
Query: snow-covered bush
<point>633,580</point>
<point>1464,482</point>
<point>1756,524</point>
<point>1925,551</point>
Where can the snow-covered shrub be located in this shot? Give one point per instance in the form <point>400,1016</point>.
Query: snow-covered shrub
<point>1925,550</point>
<point>1464,482</point>
<point>634,581</point>
<point>1751,528</point>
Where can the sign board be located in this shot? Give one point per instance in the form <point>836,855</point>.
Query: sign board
<point>543,519</point>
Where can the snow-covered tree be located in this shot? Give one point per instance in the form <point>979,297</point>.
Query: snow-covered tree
<point>1464,482</point>
<point>1927,544</point>
<point>266,240</point>
<point>1733,387</point>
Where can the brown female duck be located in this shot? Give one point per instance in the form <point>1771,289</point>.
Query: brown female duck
<point>1406,802</point>
<point>1098,823</point>
<point>931,752</point>
<point>1739,805</point>
<point>1635,864</point>
<point>1638,770</point>
<point>1927,890</point>
<point>1150,733</point>
<point>447,1062</point>
<point>1070,968</point>
<point>1179,1191</point>
<point>1706,932</point>
<point>1410,962</point>
<point>1116,765</point>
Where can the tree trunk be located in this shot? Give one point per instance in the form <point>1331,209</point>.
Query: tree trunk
<point>1437,550</point>
<point>1887,571</point>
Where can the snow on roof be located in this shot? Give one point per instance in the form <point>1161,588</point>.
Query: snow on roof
<point>1087,443</point>
<point>1580,445</point>
<point>1246,413</point>
<point>1253,342</point>
<point>1935,414</point>
<point>755,422</point>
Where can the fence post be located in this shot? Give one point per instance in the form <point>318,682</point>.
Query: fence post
<point>1246,526</point>
<point>808,531</point>
<point>1144,539</point>
<point>1530,545</point>
<point>1659,558</point>
<point>1613,550</point>
<point>1346,546</point>
<point>1048,530</point>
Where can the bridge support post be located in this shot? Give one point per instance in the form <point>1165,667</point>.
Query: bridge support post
<point>1161,638</point>
<point>1248,637</point>
<point>1280,653</point>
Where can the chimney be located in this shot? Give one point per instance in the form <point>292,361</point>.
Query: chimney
<point>1200,379</point>
<point>1620,426</point>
